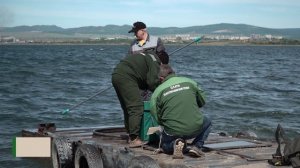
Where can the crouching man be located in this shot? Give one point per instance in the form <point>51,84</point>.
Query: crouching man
<point>175,104</point>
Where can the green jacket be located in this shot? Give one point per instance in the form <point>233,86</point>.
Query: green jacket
<point>142,68</point>
<point>175,105</point>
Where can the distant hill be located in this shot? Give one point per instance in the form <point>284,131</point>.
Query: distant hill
<point>52,31</point>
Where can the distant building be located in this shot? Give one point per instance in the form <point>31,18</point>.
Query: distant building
<point>8,39</point>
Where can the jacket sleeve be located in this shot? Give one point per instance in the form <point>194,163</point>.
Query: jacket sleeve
<point>153,106</point>
<point>200,96</point>
<point>160,51</point>
<point>160,46</point>
<point>153,64</point>
<point>130,51</point>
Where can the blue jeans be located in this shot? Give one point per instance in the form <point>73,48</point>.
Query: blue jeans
<point>168,140</point>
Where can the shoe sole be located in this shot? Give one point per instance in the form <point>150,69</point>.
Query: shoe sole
<point>135,146</point>
<point>178,151</point>
<point>196,154</point>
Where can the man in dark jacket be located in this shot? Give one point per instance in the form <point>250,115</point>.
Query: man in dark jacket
<point>145,42</point>
<point>135,72</point>
<point>175,104</point>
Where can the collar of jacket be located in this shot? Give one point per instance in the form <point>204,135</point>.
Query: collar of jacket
<point>169,76</point>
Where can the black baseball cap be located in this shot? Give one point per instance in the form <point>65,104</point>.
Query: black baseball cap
<point>137,26</point>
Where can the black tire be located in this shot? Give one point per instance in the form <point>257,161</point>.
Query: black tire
<point>88,156</point>
<point>62,153</point>
<point>143,162</point>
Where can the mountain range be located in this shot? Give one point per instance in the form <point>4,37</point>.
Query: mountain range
<point>53,31</point>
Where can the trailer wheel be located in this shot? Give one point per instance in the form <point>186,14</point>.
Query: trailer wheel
<point>88,156</point>
<point>62,153</point>
<point>143,162</point>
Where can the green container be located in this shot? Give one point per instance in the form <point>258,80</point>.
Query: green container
<point>147,122</point>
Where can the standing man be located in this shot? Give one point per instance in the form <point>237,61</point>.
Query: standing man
<point>175,104</point>
<point>145,42</point>
<point>135,72</point>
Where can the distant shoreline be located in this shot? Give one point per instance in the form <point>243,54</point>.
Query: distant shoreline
<point>167,44</point>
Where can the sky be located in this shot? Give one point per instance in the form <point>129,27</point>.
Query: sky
<point>154,13</point>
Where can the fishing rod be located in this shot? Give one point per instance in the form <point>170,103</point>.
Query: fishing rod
<point>78,104</point>
<point>194,41</point>
<point>101,91</point>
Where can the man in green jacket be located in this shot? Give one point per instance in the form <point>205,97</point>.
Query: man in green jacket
<point>135,72</point>
<point>175,105</point>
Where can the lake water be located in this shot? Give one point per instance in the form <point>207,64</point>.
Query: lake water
<point>250,88</point>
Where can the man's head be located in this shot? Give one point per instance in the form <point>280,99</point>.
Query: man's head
<point>165,70</point>
<point>139,30</point>
<point>137,26</point>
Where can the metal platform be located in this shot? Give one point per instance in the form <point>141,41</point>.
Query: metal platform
<point>223,151</point>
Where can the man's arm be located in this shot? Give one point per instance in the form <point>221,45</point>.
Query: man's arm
<point>153,64</point>
<point>153,106</point>
<point>130,51</point>
<point>200,96</point>
<point>160,46</point>
<point>160,51</point>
